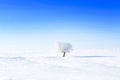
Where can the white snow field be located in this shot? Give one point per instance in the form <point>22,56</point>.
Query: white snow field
<point>58,68</point>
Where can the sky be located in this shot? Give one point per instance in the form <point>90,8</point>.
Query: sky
<point>41,23</point>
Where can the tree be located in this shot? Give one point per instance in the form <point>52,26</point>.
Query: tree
<point>64,47</point>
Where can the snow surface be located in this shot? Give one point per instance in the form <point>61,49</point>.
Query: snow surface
<point>58,68</point>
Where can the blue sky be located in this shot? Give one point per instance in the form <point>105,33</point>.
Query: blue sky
<point>40,23</point>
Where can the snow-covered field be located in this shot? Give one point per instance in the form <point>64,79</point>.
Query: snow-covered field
<point>58,68</point>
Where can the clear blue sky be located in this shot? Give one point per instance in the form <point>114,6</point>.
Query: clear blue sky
<point>40,23</point>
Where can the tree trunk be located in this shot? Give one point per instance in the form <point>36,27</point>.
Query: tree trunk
<point>63,54</point>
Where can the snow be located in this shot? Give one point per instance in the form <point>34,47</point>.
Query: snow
<point>22,67</point>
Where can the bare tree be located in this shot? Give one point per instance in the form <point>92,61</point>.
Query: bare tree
<point>64,48</point>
